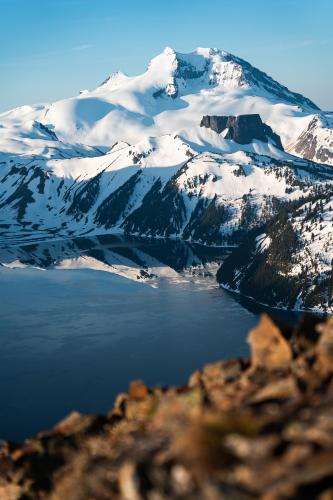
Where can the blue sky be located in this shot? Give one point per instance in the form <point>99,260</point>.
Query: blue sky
<point>50,49</point>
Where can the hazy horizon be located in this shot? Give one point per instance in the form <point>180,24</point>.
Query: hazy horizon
<point>53,50</point>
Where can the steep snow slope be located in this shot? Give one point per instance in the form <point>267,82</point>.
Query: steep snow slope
<point>174,93</point>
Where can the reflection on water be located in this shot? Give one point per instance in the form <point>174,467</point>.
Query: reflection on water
<point>133,258</point>
<point>72,337</point>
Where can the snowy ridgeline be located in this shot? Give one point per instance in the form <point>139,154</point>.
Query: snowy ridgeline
<point>132,157</point>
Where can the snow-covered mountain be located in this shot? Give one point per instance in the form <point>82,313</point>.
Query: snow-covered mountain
<point>200,147</point>
<point>174,93</point>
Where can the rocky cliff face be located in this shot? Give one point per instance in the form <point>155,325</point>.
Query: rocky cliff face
<point>242,129</point>
<point>246,429</point>
<point>316,141</point>
<point>216,123</point>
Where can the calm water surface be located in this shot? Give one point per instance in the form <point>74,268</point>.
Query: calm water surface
<point>80,319</point>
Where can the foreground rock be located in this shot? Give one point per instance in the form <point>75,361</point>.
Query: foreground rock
<point>240,429</point>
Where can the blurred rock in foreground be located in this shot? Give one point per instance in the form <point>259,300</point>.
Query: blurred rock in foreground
<point>240,429</point>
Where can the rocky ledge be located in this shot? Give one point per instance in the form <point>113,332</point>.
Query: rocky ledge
<point>242,129</point>
<point>243,429</point>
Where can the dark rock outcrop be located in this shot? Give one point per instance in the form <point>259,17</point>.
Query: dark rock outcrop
<point>216,123</point>
<point>46,131</point>
<point>242,129</point>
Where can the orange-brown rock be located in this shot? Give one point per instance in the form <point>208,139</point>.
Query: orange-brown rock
<point>269,348</point>
<point>138,390</point>
<point>241,430</point>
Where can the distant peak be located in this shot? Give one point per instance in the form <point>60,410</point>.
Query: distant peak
<point>114,79</point>
<point>209,51</point>
<point>211,67</point>
<point>169,51</point>
<point>172,74</point>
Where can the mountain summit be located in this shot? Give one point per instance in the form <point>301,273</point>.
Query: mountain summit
<point>211,67</point>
